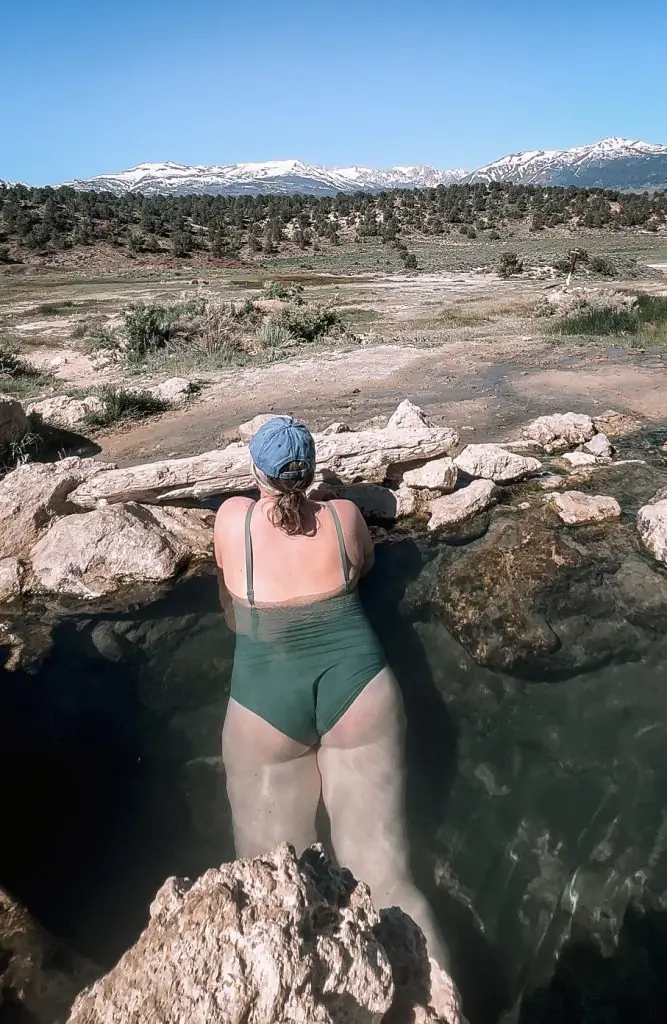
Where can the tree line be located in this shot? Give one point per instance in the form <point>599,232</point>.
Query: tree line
<point>50,220</point>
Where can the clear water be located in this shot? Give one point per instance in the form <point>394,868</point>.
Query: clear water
<point>537,808</point>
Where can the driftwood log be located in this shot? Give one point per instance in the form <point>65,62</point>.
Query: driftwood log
<point>369,455</point>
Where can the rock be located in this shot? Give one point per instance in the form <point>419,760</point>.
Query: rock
<point>66,412</point>
<point>250,427</point>
<point>576,508</point>
<point>437,475</point>
<point>175,389</point>
<point>375,502</point>
<point>579,459</point>
<point>408,416</point>
<point>336,428</point>
<point>600,446</point>
<point>491,462</point>
<point>652,526</point>
<point>11,580</point>
<point>370,455</point>
<point>13,421</point>
<point>263,941</point>
<point>35,494</point>
<point>99,553</point>
<point>57,362</point>
<point>616,424</point>
<point>560,430</point>
<point>39,976</point>
<point>454,508</point>
<point>523,446</point>
<point>550,481</point>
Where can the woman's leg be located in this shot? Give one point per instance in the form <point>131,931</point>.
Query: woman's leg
<point>273,784</point>
<point>361,761</point>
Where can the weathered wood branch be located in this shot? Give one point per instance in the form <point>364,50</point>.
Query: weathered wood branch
<point>363,455</point>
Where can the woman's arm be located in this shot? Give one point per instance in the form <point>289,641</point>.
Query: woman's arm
<point>226,602</point>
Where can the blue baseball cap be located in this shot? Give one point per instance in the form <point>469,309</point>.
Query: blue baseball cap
<point>277,443</point>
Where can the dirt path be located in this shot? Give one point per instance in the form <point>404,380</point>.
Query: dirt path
<point>483,389</point>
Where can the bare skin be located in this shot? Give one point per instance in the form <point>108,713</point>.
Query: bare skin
<point>274,783</point>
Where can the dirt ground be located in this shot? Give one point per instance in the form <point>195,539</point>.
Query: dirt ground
<point>466,347</point>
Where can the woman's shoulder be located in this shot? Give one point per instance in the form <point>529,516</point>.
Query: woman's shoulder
<point>232,510</point>
<point>348,513</point>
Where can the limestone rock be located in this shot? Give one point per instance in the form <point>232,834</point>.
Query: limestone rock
<point>456,507</point>
<point>35,494</point>
<point>250,427</point>
<point>375,502</point>
<point>437,475</point>
<point>66,412</point>
<point>408,415</point>
<point>491,462</point>
<point>13,421</point>
<point>600,446</point>
<point>336,428</point>
<point>175,389</point>
<point>652,526</point>
<point>576,508</point>
<point>369,455</point>
<point>96,554</point>
<point>273,939</point>
<point>616,424</point>
<point>11,580</point>
<point>560,430</point>
<point>550,481</point>
<point>578,460</point>
<point>39,977</point>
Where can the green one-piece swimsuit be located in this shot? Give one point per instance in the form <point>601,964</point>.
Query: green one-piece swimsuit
<point>300,667</point>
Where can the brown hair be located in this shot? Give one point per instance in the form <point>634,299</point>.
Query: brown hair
<point>288,511</point>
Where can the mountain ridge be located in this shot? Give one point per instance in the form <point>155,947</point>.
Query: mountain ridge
<point>614,163</point>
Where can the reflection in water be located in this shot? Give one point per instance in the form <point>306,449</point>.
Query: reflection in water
<point>536,809</point>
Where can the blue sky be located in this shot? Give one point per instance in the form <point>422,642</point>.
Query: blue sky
<point>89,88</point>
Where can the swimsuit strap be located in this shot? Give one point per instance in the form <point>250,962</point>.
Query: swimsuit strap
<point>248,557</point>
<point>341,544</point>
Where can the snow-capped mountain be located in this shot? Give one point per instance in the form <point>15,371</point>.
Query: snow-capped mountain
<point>276,177</point>
<point>611,163</point>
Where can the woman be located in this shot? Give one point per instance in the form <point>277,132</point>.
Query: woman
<point>315,713</point>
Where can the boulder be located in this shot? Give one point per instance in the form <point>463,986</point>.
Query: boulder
<point>99,553</point>
<point>11,580</point>
<point>375,502</point>
<point>250,427</point>
<point>39,976</point>
<point>272,939</point>
<point>576,508</point>
<point>437,475</point>
<point>35,494</point>
<point>13,420</point>
<point>370,455</point>
<point>616,424</point>
<point>560,430</point>
<point>578,460</point>
<point>175,389</point>
<point>456,507</point>
<point>491,462</point>
<point>408,416</point>
<point>600,446</point>
<point>66,412</point>
<point>336,428</point>
<point>652,526</point>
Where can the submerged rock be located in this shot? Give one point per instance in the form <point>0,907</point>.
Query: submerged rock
<point>491,462</point>
<point>437,475</point>
<point>273,939</point>
<point>408,415</point>
<point>599,445</point>
<point>576,508</point>
<point>99,553</point>
<point>39,976</point>
<point>578,460</point>
<point>375,502</point>
<point>456,507</point>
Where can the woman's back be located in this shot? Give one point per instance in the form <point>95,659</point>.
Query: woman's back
<point>290,569</point>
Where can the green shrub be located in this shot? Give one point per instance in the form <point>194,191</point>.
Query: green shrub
<point>309,324</point>
<point>122,405</point>
<point>602,265</point>
<point>509,264</point>
<point>149,327</point>
<point>273,335</point>
<point>100,338</point>
<point>279,290</point>
<point>17,375</point>
<point>648,317</point>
